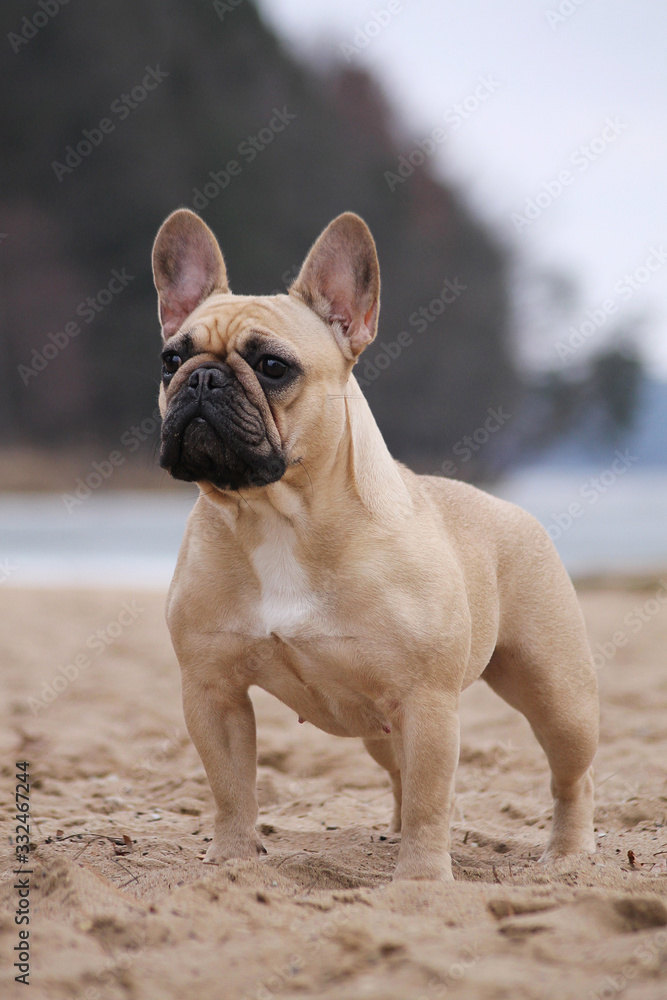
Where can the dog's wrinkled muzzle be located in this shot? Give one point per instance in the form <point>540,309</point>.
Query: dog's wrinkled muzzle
<point>211,431</point>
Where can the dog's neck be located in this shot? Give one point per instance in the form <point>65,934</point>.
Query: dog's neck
<point>361,471</point>
<point>377,480</point>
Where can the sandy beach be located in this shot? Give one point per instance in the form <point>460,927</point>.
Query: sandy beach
<point>121,905</point>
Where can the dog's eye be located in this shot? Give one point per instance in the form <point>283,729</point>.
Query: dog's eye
<point>272,367</point>
<point>170,363</point>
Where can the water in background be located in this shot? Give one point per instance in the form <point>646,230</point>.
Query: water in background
<point>132,538</point>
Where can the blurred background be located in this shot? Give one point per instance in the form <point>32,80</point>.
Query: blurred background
<point>509,158</point>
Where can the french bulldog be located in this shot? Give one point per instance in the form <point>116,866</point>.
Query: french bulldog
<point>363,596</point>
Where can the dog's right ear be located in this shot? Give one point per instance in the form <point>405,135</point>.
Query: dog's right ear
<point>187,267</point>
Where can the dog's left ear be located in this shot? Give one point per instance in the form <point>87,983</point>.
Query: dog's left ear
<point>187,267</point>
<point>340,281</point>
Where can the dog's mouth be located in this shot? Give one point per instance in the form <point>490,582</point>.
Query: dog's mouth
<point>213,433</point>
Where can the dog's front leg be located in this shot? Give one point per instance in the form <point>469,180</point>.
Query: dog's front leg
<point>428,747</point>
<point>221,723</point>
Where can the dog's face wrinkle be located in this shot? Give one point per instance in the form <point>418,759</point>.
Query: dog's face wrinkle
<point>243,419</point>
<point>212,431</point>
<point>202,455</point>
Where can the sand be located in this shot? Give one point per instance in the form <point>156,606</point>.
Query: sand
<point>318,915</point>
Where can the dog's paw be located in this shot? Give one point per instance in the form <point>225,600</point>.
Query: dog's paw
<point>225,848</point>
<point>556,852</point>
<point>565,843</point>
<point>395,825</point>
<point>425,869</point>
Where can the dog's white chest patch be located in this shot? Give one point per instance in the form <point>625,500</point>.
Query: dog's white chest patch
<point>287,602</point>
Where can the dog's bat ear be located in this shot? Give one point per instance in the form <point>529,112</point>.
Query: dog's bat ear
<point>187,267</point>
<point>340,281</point>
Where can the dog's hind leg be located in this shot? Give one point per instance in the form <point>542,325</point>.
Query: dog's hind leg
<point>382,751</point>
<point>551,680</point>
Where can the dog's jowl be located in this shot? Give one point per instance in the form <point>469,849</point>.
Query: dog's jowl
<point>364,597</point>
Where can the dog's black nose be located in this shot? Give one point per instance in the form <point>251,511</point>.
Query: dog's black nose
<point>208,377</point>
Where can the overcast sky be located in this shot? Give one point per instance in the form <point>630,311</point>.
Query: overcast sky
<point>595,77</point>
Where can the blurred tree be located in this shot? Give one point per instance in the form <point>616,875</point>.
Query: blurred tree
<point>595,401</point>
<point>616,378</point>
